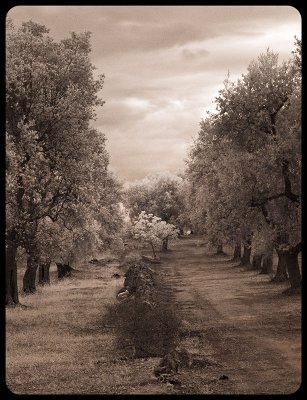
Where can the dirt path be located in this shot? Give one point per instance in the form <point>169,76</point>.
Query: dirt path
<point>239,322</point>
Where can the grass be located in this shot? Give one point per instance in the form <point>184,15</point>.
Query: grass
<point>73,337</point>
<point>53,343</point>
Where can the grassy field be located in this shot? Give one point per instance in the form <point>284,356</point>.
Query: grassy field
<point>68,338</point>
<point>65,338</point>
<point>53,343</point>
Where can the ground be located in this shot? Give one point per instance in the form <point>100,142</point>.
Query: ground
<point>238,324</point>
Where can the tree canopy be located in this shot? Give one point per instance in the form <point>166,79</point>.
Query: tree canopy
<point>57,182</point>
<point>158,194</point>
<point>245,166</point>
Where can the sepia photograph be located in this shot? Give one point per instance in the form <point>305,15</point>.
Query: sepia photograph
<point>153,200</point>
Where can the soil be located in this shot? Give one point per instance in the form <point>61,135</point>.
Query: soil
<point>237,321</point>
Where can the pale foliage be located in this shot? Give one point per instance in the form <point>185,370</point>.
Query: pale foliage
<point>150,229</point>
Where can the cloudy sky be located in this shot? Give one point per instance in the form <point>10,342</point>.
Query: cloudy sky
<point>163,66</point>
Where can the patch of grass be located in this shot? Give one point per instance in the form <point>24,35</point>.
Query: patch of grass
<point>52,343</point>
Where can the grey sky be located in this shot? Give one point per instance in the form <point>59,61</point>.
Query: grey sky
<point>164,65</point>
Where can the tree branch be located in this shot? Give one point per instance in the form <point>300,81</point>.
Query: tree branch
<point>263,201</point>
<point>294,198</point>
<point>273,115</point>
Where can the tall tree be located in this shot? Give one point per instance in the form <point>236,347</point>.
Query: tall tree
<point>261,115</point>
<point>247,156</point>
<point>55,161</point>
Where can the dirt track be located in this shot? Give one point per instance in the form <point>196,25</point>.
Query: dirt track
<point>239,322</point>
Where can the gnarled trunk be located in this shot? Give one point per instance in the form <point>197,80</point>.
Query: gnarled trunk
<point>267,263</point>
<point>247,248</point>
<point>64,270</point>
<point>11,289</point>
<point>164,244</point>
<point>281,272</point>
<point>237,252</point>
<point>44,273</point>
<point>30,274</point>
<point>256,263</point>
<point>291,260</point>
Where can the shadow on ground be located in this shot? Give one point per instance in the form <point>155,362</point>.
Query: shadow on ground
<point>143,331</point>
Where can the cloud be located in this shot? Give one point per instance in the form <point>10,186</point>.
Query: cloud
<point>189,54</point>
<point>137,104</point>
<point>164,65</point>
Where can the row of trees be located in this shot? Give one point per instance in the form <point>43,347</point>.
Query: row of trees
<point>244,170</point>
<point>61,200</point>
<point>241,185</point>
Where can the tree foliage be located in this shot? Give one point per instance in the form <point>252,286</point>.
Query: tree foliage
<point>151,229</point>
<point>60,194</point>
<point>245,166</point>
<point>158,194</point>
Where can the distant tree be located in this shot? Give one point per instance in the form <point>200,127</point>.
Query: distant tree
<point>188,220</point>
<point>160,195</point>
<point>213,170</point>
<point>152,230</point>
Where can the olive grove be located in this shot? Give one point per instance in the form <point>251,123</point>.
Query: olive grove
<point>61,200</point>
<point>245,166</point>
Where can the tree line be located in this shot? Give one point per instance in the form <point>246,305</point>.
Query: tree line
<point>61,199</point>
<point>244,169</point>
<point>241,185</point>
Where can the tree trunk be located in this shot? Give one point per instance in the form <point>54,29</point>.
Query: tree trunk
<point>153,250</point>
<point>237,252</point>
<point>164,244</point>
<point>267,264</point>
<point>256,263</point>
<point>291,261</point>
<point>43,274</point>
<point>64,270</point>
<point>219,248</point>
<point>30,274</point>
<point>11,289</point>
<point>281,272</point>
<point>246,254</point>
